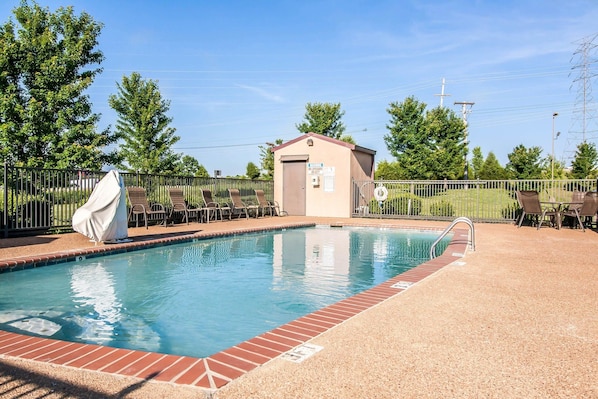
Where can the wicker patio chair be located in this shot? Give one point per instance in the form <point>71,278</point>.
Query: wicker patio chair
<point>179,204</point>
<point>531,205</point>
<point>238,206</point>
<point>264,204</point>
<point>140,206</point>
<point>587,210</point>
<point>210,206</point>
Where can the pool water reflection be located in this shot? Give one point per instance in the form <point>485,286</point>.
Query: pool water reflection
<point>198,298</point>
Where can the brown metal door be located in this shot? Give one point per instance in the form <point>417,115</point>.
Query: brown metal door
<point>293,187</point>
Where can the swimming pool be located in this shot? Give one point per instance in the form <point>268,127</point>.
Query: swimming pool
<point>204,296</point>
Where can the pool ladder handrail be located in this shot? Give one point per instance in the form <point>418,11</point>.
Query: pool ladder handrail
<point>470,241</point>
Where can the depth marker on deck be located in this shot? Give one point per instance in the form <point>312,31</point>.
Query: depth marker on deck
<point>301,352</point>
<point>402,285</point>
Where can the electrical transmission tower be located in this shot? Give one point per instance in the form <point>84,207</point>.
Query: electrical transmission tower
<point>442,95</point>
<point>584,119</point>
<point>465,110</point>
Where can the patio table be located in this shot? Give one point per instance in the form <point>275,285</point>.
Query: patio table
<point>558,207</point>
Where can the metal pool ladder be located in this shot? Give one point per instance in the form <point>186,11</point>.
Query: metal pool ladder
<point>470,241</point>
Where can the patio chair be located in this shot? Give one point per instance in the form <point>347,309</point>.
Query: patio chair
<point>179,204</point>
<point>263,204</point>
<point>140,206</point>
<point>587,210</point>
<point>576,200</point>
<point>237,205</point>
<point>210,206</point>
<point>531,205</point>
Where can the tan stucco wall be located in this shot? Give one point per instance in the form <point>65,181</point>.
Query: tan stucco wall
<point>320,201</point>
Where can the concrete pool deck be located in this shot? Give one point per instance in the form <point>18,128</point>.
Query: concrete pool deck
<point>516,318</point>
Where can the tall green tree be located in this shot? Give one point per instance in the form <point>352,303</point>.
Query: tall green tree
<point>323,118</point>
<point>144,127</point>
<point>252,171</point>
<point>47,61</point>
<point>491,169</point>
<point>477,161</point>
<point>525,163</point>
<point>585,162</point>
<point>267,158</point>
<point>426,144</point>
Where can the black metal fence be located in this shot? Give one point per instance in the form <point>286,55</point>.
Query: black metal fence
<point>479,200</point>
<point>44,200</point>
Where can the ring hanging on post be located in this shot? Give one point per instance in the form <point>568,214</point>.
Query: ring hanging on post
<point>380,193</point>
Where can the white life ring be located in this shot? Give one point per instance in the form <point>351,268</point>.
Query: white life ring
<point>380,193</point>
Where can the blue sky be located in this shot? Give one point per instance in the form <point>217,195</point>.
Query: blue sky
<point>238,74</point>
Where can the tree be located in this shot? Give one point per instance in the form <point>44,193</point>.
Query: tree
<point>524,163</point>
<point>477,162</point>
<point>491,169</point>
<point>252,171</point>
<point>427,145</point>
<point>585,161</point>
<point>143,125</point>
<point>323,118</point>
<point>46,64</point>
<point>202,172</point>
<point>347,139</point>
<point>388,171</point>
<point>267,158</point>
<point>557,166</point>
<point>189,166</point>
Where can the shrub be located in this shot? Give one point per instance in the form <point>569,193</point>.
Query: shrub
<point>69,196</point>
<point>401,204</point>
<point>442,208</point>
<point>511,211</point>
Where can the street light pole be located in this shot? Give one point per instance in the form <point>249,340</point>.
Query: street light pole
<point>554,115</point>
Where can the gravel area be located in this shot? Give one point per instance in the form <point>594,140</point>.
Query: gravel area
<point>517,318</point>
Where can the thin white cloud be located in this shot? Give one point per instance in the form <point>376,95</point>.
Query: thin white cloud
<point>262,93</point>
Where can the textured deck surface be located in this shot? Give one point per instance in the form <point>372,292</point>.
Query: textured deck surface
<point>516,318</point>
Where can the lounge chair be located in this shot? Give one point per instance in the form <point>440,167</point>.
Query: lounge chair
<point>212,206</point>
<point>237,205</point>
<point>264,204</point>
<point>140,206</point>
<point>531,205</point>
<point>588,209</point>
<point>179,204</point>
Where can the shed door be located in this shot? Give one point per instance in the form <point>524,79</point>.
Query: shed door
<point>293,187</point>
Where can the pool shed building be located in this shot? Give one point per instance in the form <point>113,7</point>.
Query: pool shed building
<point>314,175</point>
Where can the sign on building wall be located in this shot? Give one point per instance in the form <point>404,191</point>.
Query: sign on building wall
<point>328,176</point>
<point>314,168</point>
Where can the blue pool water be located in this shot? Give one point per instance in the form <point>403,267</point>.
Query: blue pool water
<point>201,297</point>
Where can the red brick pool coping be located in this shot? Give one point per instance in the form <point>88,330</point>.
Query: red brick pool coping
<point>219,369</point>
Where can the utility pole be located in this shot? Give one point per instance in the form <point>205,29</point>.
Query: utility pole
<point>465,110</point>
<point>442,95</point>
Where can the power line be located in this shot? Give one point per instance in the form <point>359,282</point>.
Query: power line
<point>217,146</point>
